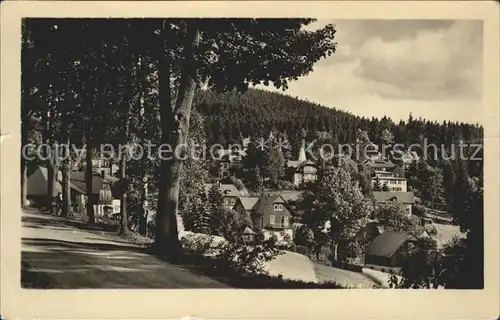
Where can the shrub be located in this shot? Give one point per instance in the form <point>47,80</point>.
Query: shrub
<point>304,236</point>
<point>419,210</point>
<point>285,185</point>
<point>431,230</point>
<point>241,266</point>
<point>237,183</point>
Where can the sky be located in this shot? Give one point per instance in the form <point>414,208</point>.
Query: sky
<point>430,68</point>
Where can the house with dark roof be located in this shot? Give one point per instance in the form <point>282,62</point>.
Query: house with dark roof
<point>37,185</point>
<point>269,213</point>
<point>102,191</point>
<point>104,167</point>
<point>301,170</point>
<point>229,192</point>
<point>232,156</point>
<point>406,198</point>
<point>405,158</point>
<point>378,164</point>
<point>387,251</point>
<point>390,180</point>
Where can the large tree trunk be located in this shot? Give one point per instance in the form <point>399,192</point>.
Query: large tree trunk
<point>175,129</point>
<point>124,230</point>
<point>123,197</point>
<point>24,164</point>
<point>66,189</point>
<point>144,214</point>
<point>52,172</point>
<point>66,192</point>
<point>88,180</point>
<point>24,182</point>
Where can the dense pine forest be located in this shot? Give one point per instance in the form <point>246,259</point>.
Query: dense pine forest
<point>232,115</point>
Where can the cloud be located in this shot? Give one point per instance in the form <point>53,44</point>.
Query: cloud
<point>432,65</point>
<point>431,68</point>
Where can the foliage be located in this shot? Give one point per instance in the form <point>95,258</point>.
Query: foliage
<point>427,180</point>
<point>336,199</point>
<point>255,180</point>
<point>208,215</point>
<point>304,236</point>
<point>419,210</point>
<point>387,137</point>
<point>460,263</point>
<point>242,266</point>
<point>233,257</point>
<point>195,172</point>
<point>273,162</point>
<point>237,183</point>
<point>394,217</point>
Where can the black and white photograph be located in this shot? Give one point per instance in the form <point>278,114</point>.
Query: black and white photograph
<point>251,153</point>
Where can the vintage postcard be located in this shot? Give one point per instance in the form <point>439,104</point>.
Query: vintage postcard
<point>348,148</point>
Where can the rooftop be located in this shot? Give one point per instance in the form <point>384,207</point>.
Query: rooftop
<point>248,202</point>
<point>386,196</point>
<point>386,244</point>
<point>228,189</point>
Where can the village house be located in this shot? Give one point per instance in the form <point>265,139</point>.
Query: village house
<point>390,180</point>
<point>269,213</point>
<point>406,198</point>
<point>102,191</point>
<point>229,192</point>
<point>37,185</point>
<point>382,172</point>
<point>232,157</point>
<point>387,251</point>
<point>301,170</point>
<point>379,164</point>
<point>405,158</point>
<point>104,167</point>
<point>368,152</point>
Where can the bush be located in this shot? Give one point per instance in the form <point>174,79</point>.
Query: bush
<point>237,183</point>
<point>285,185</point>
<point>304,236</point>
<point>228,256</point>
<point>431,230</point>
<point>241,266</point>
<point>419,210</point>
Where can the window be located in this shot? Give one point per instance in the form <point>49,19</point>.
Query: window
<point>284,221</point>
<point>278,207</point>
<point>232,202</point>
<point>309,169</point>
<point>271,219</point>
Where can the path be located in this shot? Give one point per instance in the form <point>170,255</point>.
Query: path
<point>60,253</point>
<point>293,266</point>
<point>343,277</point>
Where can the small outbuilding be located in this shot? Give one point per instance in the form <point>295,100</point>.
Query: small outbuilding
<point>387,251</point>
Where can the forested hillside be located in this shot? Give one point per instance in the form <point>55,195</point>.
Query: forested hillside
<point>230,115</point>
